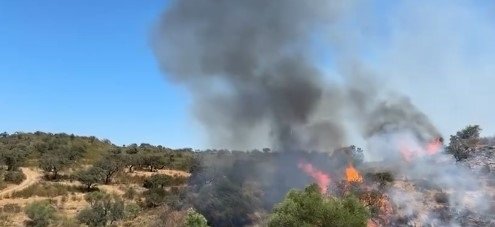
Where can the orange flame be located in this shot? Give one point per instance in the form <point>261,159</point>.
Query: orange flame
<point>352,175</point>
<point>321,178</point>
<point>434,146</point>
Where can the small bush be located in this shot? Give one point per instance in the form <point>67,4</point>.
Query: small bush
<point>441,197</point>
<point>5,220</point>
<point>310,208</point>
<point>41,213</point>
<point>45,190</point>
<point>161,181</point>
<point>11,208</point>
<point>66,222</point>
<point>75,198</point>
<point>64,199</point>
<point>130,193</point>
<point>382,178</point>
<point>131,179</point>
<point>195,219</point>
<point>132,210</point>
<point>155,197</point>
<point>103,208</point>
<point>463,143</point>
<point>92,216</point>
<point>15,177</point>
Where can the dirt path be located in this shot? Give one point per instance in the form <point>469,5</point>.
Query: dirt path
<point>32,177</point>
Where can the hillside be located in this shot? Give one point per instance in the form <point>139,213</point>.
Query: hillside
<point>63,174</point>
<point>67,180</point>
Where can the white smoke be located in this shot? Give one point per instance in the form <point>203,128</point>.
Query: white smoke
<point>419,173</point>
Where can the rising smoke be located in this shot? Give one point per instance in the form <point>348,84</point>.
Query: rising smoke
<point>253,74</point>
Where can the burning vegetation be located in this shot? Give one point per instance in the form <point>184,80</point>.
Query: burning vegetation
<point>251,70</point>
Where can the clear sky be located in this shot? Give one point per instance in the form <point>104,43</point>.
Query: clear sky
<point>86,67</point>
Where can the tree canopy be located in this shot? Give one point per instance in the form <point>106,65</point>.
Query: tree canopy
<point>309,207</point>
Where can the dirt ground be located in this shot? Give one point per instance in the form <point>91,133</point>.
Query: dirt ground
<point>32,177</point>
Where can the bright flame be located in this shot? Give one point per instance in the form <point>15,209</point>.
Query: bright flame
<point>352,175</point>
<point>321,178</point>
<point>411,149</point>
<point>434,146</point>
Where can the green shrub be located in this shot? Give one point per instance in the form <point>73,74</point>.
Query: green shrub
<point>132,210</point>
<point>92,216</point>
<point>462,144</point>
<point>155,197</point>
<point>310,208</point>
<point>130,193</point>
<point>103,208</point>
<point>161,181</point>
<point>15,177</point>
<point>195,219</point>
<point>41,213</point>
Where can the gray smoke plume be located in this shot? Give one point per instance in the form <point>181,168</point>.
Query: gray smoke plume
<point>251,71</point>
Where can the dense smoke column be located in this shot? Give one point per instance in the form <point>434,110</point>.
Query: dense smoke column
<point>247,64</point>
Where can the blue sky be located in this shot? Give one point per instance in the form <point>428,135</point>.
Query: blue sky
<point>85,67</point>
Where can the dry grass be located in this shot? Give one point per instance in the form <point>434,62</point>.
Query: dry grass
<point>11,208</point>
<point>46,190</point>
<point>169,172</point>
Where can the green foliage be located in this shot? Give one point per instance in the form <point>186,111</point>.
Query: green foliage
<point>155,197</point>
<point>195,219</point>
<point>154,161</point>
<point>130,193</point>
<point>132,210</point>
<point>13,158</point>
<point>90,177</point>
<point>54,152</point>
<point>103,208</point>
<point>463,142</point>
<point>310,208</point>
<point>92,216</point>
<point>15,177</point>
<point>41,213</point>
<point>116,210</point>
<point>54,163</point>
<point>162,180</point>
<point>109,166</point>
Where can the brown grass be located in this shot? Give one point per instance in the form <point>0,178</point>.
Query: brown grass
<point>46,190</point>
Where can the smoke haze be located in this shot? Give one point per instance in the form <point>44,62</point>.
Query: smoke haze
<point>253,74</point>
<point>310,75</point>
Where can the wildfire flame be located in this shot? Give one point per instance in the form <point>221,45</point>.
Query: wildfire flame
<point>410,150</point>
<point>352,175</point>
<point>321,178</point>
<point>434,146</point>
